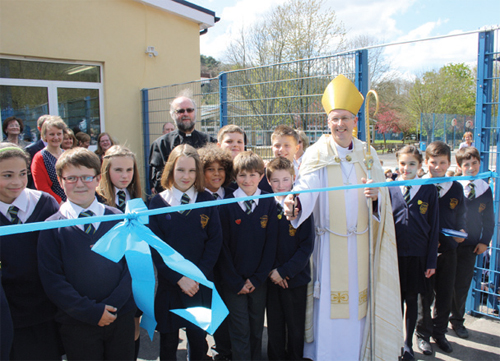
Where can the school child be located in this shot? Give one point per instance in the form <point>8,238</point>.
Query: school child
<point>287,283</point>
<point>303,145</point>
<point>285,143</point>
<point>218,169</point>
<point>119,183</point>
<point>248,252</point>
<point>480,226</point>
<point>196,234</point>
<point>120,179</point>
<point>232,138</point>
<point>35,334</point>
<point>452,212</point>
<point>415,210</point>
<point>93,294</point>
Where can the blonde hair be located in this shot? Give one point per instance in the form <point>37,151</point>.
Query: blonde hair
<point>52,121</point>
<point>167,177</point>
<point>106,188</point>
<point>248,161</point>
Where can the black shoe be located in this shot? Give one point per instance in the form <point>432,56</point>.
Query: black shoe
<point>408,356</point>
<point>443,344</point>
<point>424,346</point>
<point>461,331</point>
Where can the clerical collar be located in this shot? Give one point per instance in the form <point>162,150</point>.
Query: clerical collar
<point>185,134</point>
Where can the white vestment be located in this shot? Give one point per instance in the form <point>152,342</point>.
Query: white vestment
<point>334,338</point>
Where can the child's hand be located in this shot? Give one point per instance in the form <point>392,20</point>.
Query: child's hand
<point>275,276</point>
<point>107,317</point>
<point>430,272</point>
<point>249,285</point>
<point>188,286</point>
<point>283,283</point>
<point>370,192</point>
<point>458,239</point>
<point>290,207</point>
<point>244,290</point>
<point>480,248</point>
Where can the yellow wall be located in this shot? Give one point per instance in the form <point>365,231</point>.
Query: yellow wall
<point>114,33</point>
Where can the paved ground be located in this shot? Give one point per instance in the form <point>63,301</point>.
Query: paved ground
<point>483,344</point>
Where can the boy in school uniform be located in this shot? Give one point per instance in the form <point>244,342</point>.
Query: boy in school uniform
<point>93,294</point>
<point>248,252</point>
<point>480,226</point>
<point>287,283</point>
<point>452,211</point>
<point>232,138</point>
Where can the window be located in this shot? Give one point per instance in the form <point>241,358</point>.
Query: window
<point>31,88</point>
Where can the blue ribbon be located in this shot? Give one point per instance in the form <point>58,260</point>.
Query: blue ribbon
<point>132,239</point>
<point>38,226</point>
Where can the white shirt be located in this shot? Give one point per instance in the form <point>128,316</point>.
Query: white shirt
<point>71,211</point>
<point>481,186</point>
<point>239,193</point>
<point>221,192</point>
<point>413,190</point>
<point>173,196</point>
<point>26,202</point>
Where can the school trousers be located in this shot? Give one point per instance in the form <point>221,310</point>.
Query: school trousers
<point>246,322</point>
<point>440,290</point>
<point>286,317</point>
<point>93,342</point>
<point>466,260</point>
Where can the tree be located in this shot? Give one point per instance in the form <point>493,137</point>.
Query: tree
<point>298,29</point>
<point>451,90</point>
<point>209,66</point>
<point>387,121</point>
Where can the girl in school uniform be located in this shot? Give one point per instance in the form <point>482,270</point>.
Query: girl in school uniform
<point>196,234</point>
<point>120,179</point>
<point>35,332</point>
<point>119,183</point>
<point>415,210</point>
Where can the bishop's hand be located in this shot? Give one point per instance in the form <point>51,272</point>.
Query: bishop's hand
<point>290,207</point>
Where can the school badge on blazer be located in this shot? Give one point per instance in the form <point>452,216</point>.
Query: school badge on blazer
<point>263,221</point>
<point>453,203</point>
<point>482,207</point>
<point>423,206</point>
<point>204,220</point>
<point>291,231</point>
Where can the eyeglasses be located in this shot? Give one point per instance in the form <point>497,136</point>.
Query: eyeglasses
<point>84,178</point>
<point>182,111</point>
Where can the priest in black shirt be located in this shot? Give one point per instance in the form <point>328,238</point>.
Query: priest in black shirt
<point>183,112</point>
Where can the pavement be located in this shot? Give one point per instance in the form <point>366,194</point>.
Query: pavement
<point>483,343</point>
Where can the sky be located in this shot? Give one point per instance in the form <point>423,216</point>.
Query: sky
<point>387,20</point>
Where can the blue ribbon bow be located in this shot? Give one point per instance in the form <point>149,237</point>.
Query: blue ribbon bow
<point>132,239</point>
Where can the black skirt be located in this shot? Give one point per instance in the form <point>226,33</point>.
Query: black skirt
<point>412,274</point>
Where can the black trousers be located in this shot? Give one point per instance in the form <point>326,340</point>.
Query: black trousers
<point>197,344</point>
<point>246,322</point>
<point>286,317</point>
<point>441,286</point>
<point>37,342</point>
<point>466,260</point>
<point>92,342</point>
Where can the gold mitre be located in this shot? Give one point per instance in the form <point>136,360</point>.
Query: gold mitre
<point>341,93</point>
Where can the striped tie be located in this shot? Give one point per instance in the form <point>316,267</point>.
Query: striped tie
<point>439,190</point>
<point>87,228</point>
<point>406,196</point>
<point>280,211</point>
<point>248,206</point>
<point>215,195</point>
<point>184,200</point>
<point>472,193</point>
<point>13,215</point>
<point>121,201</point>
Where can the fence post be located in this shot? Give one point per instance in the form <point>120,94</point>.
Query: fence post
<point>223,98</point>
<point>361,82</point>
<point>145,134</point>
<point>433,124</point>
<point>482,124</point>
<point>483,96</point>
